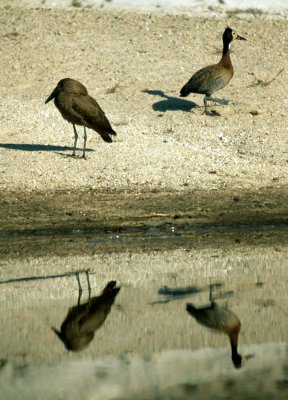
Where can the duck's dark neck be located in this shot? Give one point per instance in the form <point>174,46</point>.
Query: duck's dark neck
<point>225,48</point>
<point>236,357</point>
<point>226,60</point>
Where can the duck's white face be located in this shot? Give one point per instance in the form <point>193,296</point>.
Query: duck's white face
<point>234,35</point>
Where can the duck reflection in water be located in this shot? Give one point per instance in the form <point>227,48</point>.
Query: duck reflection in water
<point>221,319</point>
<point>78,328</point>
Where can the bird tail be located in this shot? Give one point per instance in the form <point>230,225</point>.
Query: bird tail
<point>58,333</point>
<point>185,90</point>
<point>196,311</point>
<point>191,309</point>
<point>106,136</point>
<point>111,290</point>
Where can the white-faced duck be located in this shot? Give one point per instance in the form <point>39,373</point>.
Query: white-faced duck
<point>76,106</point>
<point>221,319</point>
<point>212,78</point>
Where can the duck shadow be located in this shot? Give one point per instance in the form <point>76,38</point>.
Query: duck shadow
<point>170,103</point>
<point>38,147</point>
<point>169,294</point>
<point>175,293</point>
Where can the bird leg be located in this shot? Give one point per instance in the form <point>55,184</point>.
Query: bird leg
<point>75,140</point>
<point>79,288</point>
<point>88,282</point>
<point>206,112</point>
<point>211,289</point>
<point>223,102</point>
<point>85,141</point>
<point>206,105</point>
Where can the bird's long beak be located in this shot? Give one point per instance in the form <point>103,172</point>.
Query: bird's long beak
<point>240,37</point>
<point>52,95</point>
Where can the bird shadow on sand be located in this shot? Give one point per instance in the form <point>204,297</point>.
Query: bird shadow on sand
<point>170,103</point>
<point>39,277</point>
<point>169,294</point>
<point>39,147</point>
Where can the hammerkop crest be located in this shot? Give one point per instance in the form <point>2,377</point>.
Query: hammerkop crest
<point>76,106</point>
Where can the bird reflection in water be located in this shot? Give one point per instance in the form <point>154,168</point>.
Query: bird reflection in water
<point>82,321</point>
<point>221,319</point>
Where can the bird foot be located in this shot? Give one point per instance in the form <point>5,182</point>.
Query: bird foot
<point>73,155</point>
<point>212,113</point>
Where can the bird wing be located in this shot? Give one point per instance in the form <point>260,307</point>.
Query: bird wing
<point>91,113</point>
<point>199,82</point>
<point>94,318</point>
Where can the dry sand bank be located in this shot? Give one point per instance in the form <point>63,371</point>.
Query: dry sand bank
<point>134,64</point>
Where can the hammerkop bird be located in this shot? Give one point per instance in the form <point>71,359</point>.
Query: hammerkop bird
<point>212,78</point>
<point>79,326</point>
<point>76,106</point>
<point>221,319</point>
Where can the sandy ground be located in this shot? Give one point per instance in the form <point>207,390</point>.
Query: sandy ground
<point>134,65</point>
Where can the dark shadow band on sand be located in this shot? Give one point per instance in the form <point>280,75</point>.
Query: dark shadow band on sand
<point>40,277</point>
<point>36,147</point>
<point>170,103</point>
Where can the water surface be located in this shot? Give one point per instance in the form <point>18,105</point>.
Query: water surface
<point>148,347</point>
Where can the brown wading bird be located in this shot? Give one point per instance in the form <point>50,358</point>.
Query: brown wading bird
<point>221,319</point>
<point>76,106</point>
<point>78,328</point>
<point>212,78</point>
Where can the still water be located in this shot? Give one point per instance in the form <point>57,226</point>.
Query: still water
<point>61,338</point>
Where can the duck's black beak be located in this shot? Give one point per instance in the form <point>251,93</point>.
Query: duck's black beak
<point>240,37</point>
<point>52,95</point>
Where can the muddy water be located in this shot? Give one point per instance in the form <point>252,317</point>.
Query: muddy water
<point>148,347</point>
